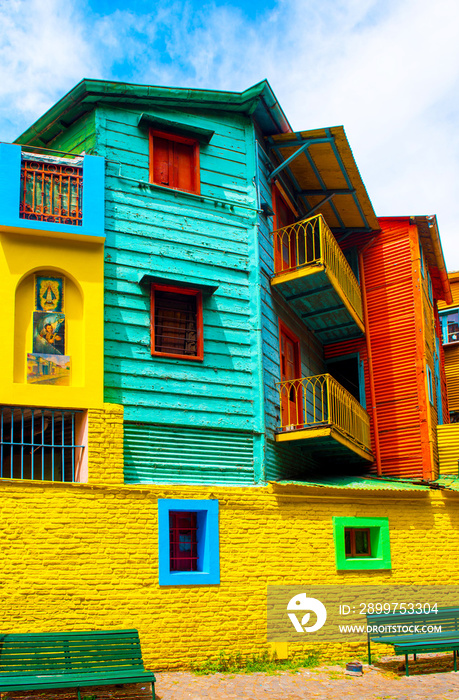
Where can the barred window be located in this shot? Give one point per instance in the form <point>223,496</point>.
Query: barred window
<point>183,541</point>
<point>176,322</point>
<point>51,189</point>
<point>40,443</point>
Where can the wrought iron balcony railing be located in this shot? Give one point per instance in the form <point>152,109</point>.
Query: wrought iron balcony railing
<point>310,243</point>
<point>51,190</point>
<point>319,401</point>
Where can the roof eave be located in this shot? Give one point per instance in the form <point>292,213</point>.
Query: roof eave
<point>86,93</point>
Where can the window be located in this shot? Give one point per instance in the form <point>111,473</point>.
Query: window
<point>40,443</point>
<point>361,543</point>
<point>357,542</point>
<point>430,385</point>
<point>51,189</point>
<point>188,542</point>
<point>174,161</point>
<point>450,326</point>
<point>176,322</point>
<point>183,541</point>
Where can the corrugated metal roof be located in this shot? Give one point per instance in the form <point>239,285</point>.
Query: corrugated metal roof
<point>450,483</point>
<point>359,483</point>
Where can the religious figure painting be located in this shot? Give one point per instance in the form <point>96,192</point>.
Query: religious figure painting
<point>49,293</point>
<point>48,333</point>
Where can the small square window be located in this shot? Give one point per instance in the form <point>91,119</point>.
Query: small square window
<point>361,543</point>
<point>188,542</point>
<point>357,542</point>
<point>176,322</point>
<point>174,161</point>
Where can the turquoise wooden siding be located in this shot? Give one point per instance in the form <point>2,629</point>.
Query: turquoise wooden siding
<point>186,238</point>
<point>161,454</point>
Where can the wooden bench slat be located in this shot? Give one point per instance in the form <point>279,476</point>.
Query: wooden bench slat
<point>54,660</point>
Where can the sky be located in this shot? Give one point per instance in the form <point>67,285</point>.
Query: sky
<point>388,70</point>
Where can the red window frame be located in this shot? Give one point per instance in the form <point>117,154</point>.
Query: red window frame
<point>199,322</point>
<point>183,541</point>
<point>352,554</point>
<point>174,164</point>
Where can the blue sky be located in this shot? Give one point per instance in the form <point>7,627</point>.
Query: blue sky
<point>388,70</point>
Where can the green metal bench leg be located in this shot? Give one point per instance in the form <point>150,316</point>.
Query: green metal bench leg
<point>407,673</point>
<point>455,659</point>
<point>79,694</point>
<point>153,691</point>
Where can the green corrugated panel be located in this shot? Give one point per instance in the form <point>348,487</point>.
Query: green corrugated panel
<point>358,482</point>
<point>166,454</point>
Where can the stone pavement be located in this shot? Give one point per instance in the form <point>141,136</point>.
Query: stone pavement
<point>432,679</point>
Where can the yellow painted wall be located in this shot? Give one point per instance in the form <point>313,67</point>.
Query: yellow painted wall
<point>81,263</point>
<point>84,556</point>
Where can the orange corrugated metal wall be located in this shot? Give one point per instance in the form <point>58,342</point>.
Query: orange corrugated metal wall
<point>389,267</point>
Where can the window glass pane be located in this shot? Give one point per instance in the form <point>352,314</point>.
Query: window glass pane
<point>362,542</point>
<point>453,327</point>
<point>347,543</point>
<point>183,541</point>
<point>175,323</point>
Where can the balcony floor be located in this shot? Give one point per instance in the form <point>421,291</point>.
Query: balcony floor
<point>327,444</point>
<point>315,296</point>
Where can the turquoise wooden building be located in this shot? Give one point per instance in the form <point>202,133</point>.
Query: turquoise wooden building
<point>237,353</point>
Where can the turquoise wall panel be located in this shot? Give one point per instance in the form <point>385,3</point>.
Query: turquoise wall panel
<point>167,454</point>
<point>207,239</point>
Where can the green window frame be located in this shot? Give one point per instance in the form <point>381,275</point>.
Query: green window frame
<point>380,544</point>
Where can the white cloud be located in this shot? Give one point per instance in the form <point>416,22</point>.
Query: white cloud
<point>386,69</point>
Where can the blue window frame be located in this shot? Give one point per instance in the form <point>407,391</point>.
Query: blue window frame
<point>430,385</point>
<point>450,326</point>
<point>206,539</point>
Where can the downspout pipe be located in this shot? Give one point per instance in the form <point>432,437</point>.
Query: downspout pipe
<point>370,357</point>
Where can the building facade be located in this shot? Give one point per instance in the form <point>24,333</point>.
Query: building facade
<point>223,366</point>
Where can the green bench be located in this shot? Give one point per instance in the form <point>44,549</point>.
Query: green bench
<point>71,660</point>
<point>413,641</point>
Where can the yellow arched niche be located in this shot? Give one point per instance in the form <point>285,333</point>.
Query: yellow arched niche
<point>81,265</point>
<point>74,333</point>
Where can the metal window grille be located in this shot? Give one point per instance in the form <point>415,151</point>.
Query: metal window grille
<point>39,443</point>
<point>175,323</point>
<point>51,191</point>
<point>183,541</point>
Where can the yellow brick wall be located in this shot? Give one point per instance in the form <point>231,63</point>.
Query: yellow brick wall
<point>84,556</point>
<point>105,445</point>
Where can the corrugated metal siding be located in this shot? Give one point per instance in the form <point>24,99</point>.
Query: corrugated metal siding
<point>285,461</point>
<point>448,448</point>
<point>165,454</point>
<point>389,289</point>
<point>454,282</point>
<point>452,375</point>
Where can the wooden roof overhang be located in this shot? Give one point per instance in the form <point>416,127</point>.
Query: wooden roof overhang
<point>325,178</point>
<point>431,245</point>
